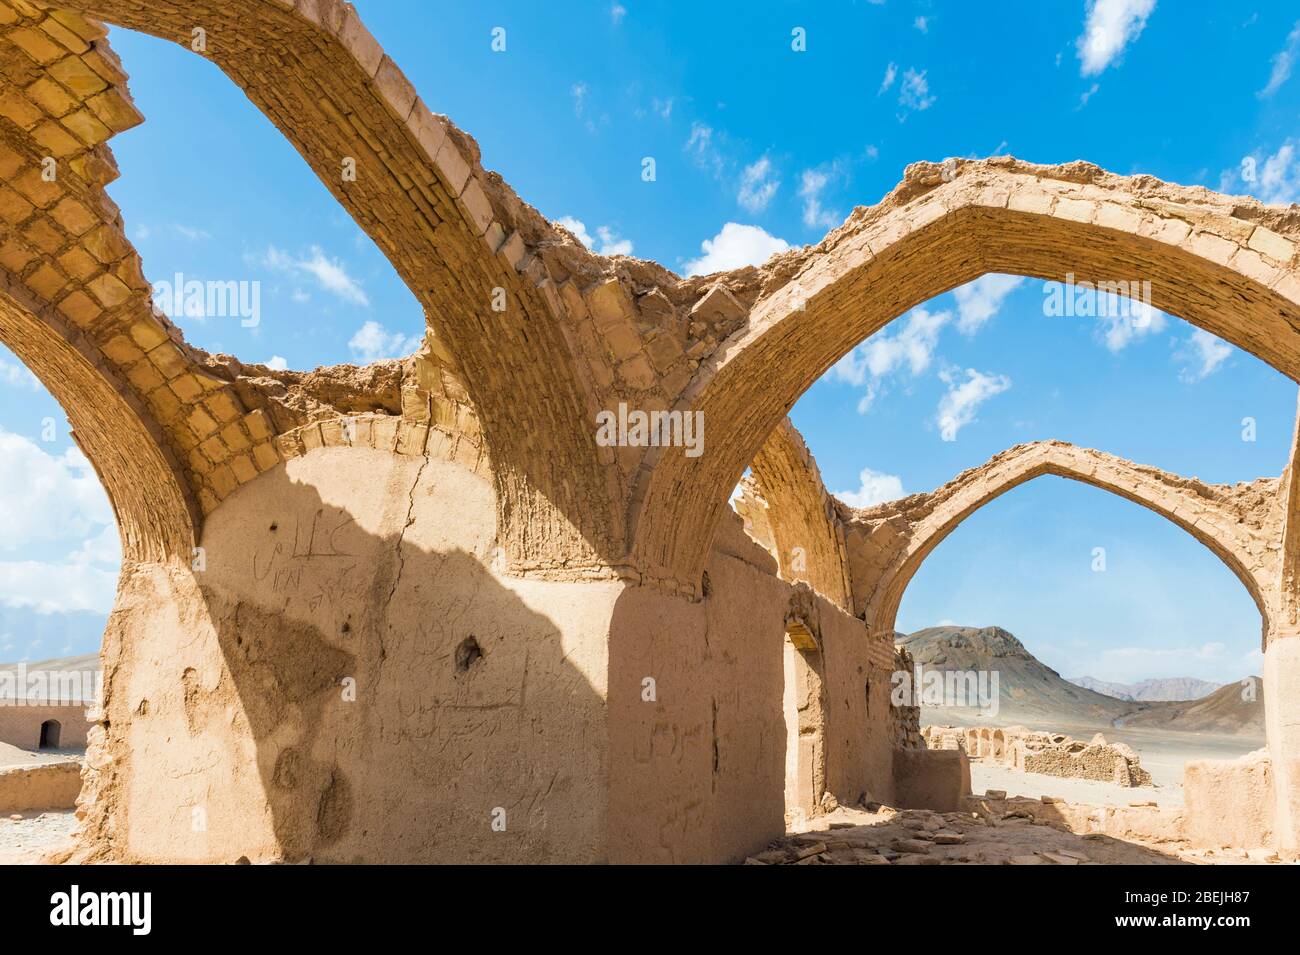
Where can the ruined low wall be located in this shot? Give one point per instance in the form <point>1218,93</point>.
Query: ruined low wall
<point>1052,754</point>
<point>43,786</point>
<point>1230,802</point>
<point>1153,824</point>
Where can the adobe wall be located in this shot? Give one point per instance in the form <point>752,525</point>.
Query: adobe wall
<point>311,691</point>
<point>43,786</point>
<point>21,725</point>
<point>1230,802</point>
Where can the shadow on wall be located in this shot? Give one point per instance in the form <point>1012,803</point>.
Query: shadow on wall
<point>398,702</point>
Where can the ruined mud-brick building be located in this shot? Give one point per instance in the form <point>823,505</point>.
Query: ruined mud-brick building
<point>1051,754</point>
<point>417,611</point>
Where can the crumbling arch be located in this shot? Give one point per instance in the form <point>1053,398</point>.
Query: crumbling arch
<point>459,238</point>
<point>799,515</point>
<point>1206,512</point>
<point>1224,264</point>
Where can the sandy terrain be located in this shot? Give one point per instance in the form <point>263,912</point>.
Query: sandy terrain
<point>17,756</point>
<point>27,837</point>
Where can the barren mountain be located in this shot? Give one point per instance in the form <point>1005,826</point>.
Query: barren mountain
<point>1236,709</point>
<point>1029,691</point>
<point>1156,690</point>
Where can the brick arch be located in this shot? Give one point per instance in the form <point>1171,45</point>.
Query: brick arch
<point>799,514</point>
<point>457,236</point>
<point>1225,264</point>
<point>74,306</point>
<point>1235,522</point>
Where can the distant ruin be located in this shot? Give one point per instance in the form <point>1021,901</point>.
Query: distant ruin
<point>1052,754</point>
<point>416,611</point>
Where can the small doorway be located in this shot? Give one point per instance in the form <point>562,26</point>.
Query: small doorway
<point>50,734</point>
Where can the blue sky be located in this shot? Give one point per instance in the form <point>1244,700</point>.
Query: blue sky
<point>757,147</point>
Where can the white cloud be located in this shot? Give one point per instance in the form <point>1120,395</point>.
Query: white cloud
<point>1283,62</point>
<point>958,406</point>
<point>607,241</point>
<point>579,93</point>
<point>373,342</point>
<point>46,498</point>
<point>1111,25</point>
<point>1124,321</point>
<point>18,375</point>
<point>1279,177</point>
<point>735,246</point>
<point>1203,354</point>
<point>617,12</point>
<point>330,274</point>
<point>1274,179</point>
<point>756,185</point>
<point>922,24</point>
<point>980,300</point>
<point>57,588</point>
<point>914,92</point>
<point>911,348</point>
<point>891,71</point>
<point>812,183</point>
<point>663,108</point>
<point>277,363</point>
<point>874,487</point>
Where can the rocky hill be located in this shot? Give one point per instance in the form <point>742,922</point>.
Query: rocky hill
<point>1031,692</point>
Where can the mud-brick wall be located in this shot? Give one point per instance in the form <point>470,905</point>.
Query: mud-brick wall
<point>21,725</point>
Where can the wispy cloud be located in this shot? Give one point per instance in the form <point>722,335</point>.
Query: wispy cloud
<point>891,72</point>
<point>735,246</point>
<point>964,396</point>
<point>812,183</point>
<point>1283,63</point>
<point>980,300</point>
<point>909,348</point>
<point>1111,25</point>
<point>757,185</point>
<point>18,376</point>
<point>1273,179</point>
<point>1202,355</point>
<point>617,12</point>
<point>329,273</point>
<point>914,93</point>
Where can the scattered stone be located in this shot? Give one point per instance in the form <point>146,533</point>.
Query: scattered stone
<point>995,794</point>
<point>911,845</point>
<point>1059,858</point>
<point>806,852</point>
<point>946,838</point>
<point>1261,855</point>
<point>1025,860</point>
